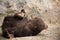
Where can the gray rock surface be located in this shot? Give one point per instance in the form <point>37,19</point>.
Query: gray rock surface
<point>48,10</point>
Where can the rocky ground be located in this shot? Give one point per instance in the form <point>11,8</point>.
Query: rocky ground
<point>48,10</point>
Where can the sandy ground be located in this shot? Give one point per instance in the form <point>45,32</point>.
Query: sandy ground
<point>52,33</point>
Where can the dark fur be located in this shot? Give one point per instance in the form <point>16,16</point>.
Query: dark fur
<point>20,27</point>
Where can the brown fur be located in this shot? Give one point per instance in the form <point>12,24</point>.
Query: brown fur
<point>22,27</point>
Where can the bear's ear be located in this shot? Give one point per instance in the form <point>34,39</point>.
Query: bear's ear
<point>33,16</point>
<point>22,11</point>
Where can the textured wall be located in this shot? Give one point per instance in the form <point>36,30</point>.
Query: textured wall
<point>49,10</point>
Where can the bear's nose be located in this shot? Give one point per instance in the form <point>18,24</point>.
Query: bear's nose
<point>46,26</point>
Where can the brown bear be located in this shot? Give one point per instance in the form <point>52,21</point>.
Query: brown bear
<point>18,26</point>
